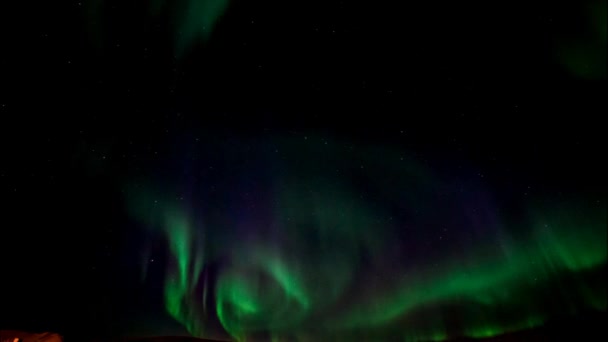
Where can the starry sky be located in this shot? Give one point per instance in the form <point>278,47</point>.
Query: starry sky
<point>302,171</point>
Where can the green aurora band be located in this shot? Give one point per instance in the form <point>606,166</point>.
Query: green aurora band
<point>191,21</point>
<point>582,50</point>
<point>318,261</point>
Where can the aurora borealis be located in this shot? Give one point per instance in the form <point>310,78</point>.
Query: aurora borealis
<point>327,241</point>
<point>303,171</point>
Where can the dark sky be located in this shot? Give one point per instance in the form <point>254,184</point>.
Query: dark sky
<point>90,97</point>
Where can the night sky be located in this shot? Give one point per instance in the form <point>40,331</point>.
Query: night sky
<point>303,171</point>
